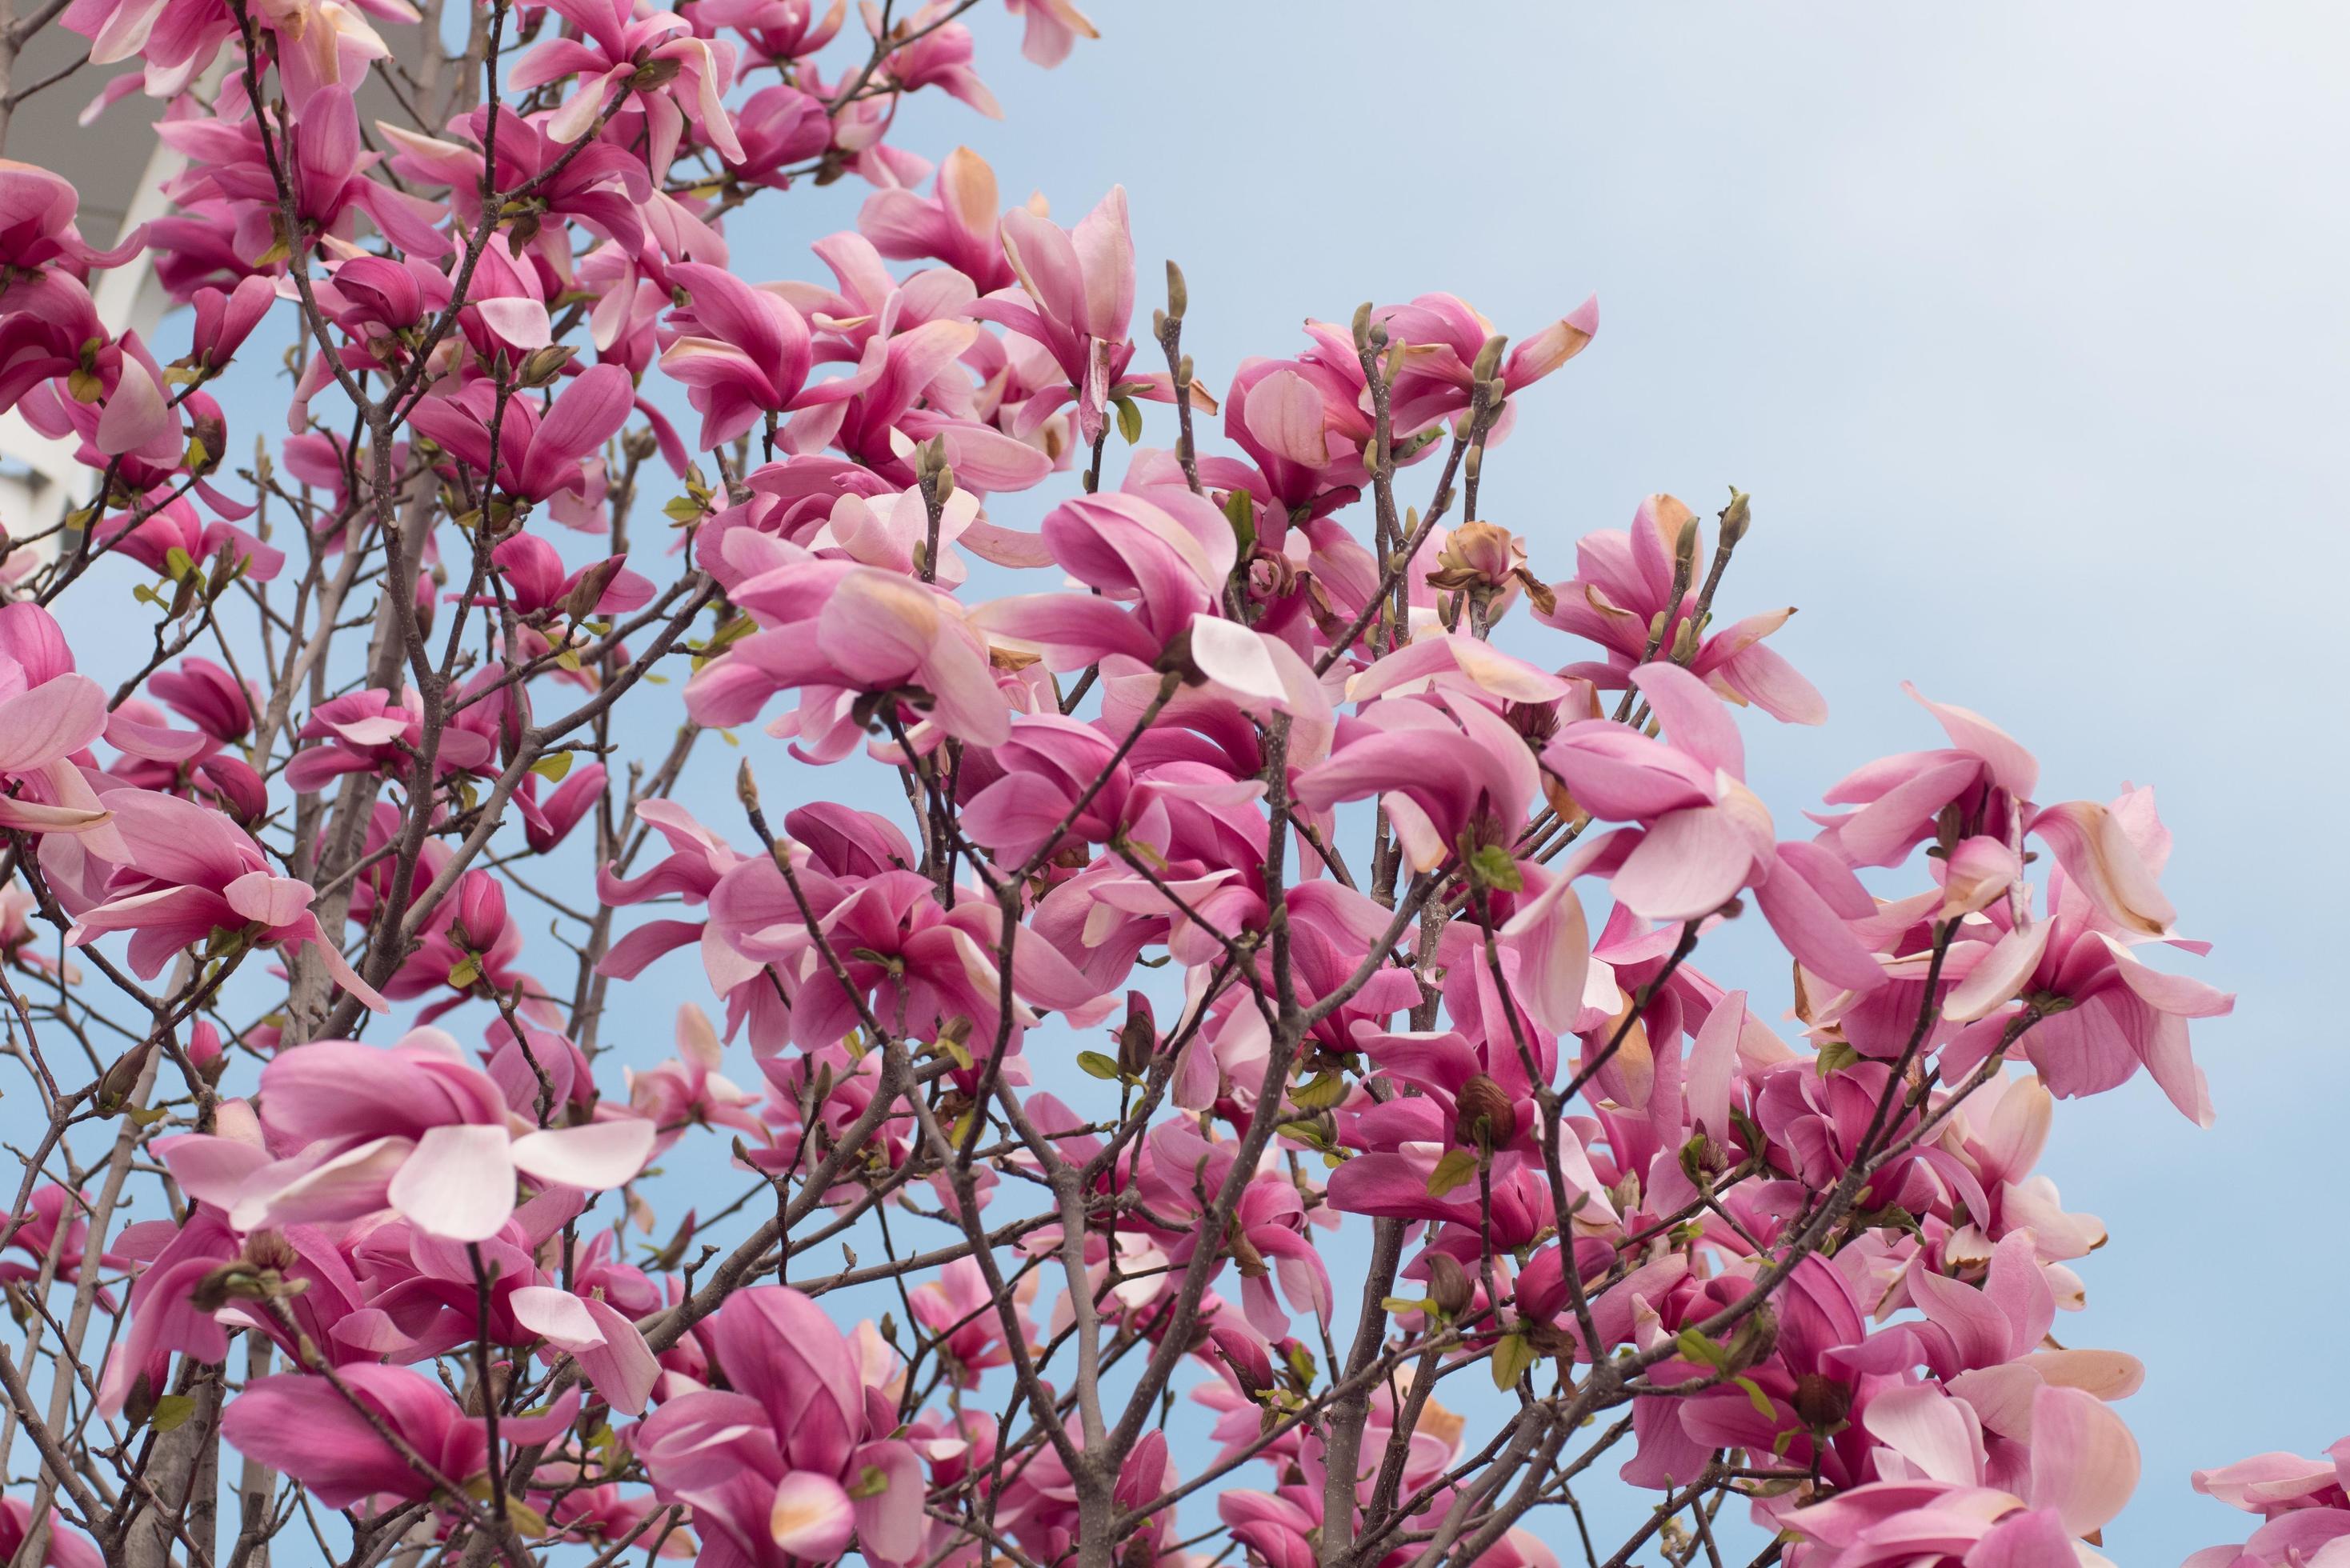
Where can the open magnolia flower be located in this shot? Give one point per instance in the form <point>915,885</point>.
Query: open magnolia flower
<point>344,1130</point>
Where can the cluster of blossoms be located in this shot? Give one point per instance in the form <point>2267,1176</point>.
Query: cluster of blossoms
<point>1423,827</point>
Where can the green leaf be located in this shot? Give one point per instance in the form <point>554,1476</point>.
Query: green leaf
<point>1493,866</point>
<point>178,563</point>
<point>1327,1090</point>
<point>1308,1130</point>
<point>955,1051</point>
<point>1834,1056</point>
<point>1696,1346</point>
<point>1457,1167</point>
<point>1099,1064</point>
<point>1129,419</point>
<point>1511,1359</point>
<point>552,768</point>
<point>1756,1398</point>
<point>872,1480</point>
<point>464,973</point>
<point>1240,511</point>
<point>171,1412</point>
<point>1405,1304</point>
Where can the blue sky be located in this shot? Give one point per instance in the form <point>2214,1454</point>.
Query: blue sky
<point>2023,326</point>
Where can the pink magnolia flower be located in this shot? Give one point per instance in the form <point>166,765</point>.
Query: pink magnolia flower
<point>538,457</point>
<point>794,1457</point>
<point>2108,1013</point>
<point>1705,834</point>
<point>691,1090</point>
<point>1267,1244</point>
<point>616,44</point>
<point>602,186</point>
<point>958,1309</point>
<point>347,1130</point>
<point>740,352</point>
<point>900,951</point>
<point>549,823</point>
<point>367,731</point>
<point>302,1425</point>
<point>536,583</point>
<point>1080,295</point>
<point>329,172</point>
<point>2084,1466</point>
<point>2302,1502</point>
<point>1053,27</point>
<point>66,1548</point>
<point>49,711</point>
<point>192,876</point>
<point>956,224</point>
<point>206,695</point>
<point>844,634</point>
<point>1620,587</point>
<point>38,209</point>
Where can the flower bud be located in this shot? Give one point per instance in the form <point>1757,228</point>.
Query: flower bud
<point>1449,1285</point>
<point>1821,1401</point>
<point>1489,358</point>
<point>1736,518</point>
<point>1245,1354</point>
<point>121,1080</point>
<point>1137,1037</point>
<point>1178,297</point>
<point>540,367</point>
<point>1685,547</point>
<point>481,908</point>
<point>204,1049</point>
<point>1483,1114</point>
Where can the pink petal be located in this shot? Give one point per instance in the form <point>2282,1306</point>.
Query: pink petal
<point>593,1158</point>
<point>458,1184</point>
<point>2085,1462</point>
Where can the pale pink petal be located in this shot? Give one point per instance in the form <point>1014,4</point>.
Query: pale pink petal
<point>458,1184</point>
<point>594,1157</point>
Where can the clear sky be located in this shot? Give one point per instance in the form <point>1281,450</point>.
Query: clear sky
<point>2024,327</point>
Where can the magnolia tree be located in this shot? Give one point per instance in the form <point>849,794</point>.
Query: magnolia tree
<point>340,1234</point>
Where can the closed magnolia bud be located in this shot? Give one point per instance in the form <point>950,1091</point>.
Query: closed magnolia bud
<point>1137,1037</point>
<point>1448,1286</point>
<point>540,367</point>
<point>240,789</point>
<point>1483,1114</point>
<point>1178,297</point>
<point>204,1049</point>
<point>1245,1354</point>
<point>1822,1402</point>
<point>121,1080</point>
<point>1489,358</point>
<point>1685,547</point>
<point>1736,518</point>
<point>140,1403</point>
<point>481,908</point>
<point>1362,327</point>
